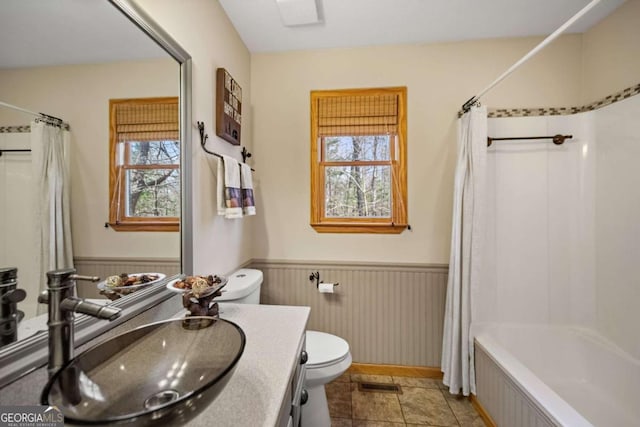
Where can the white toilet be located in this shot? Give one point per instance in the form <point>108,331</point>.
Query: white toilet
<point>328,355</point>
<point>243,287</point>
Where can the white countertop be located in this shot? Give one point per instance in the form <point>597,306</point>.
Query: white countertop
<point>256,390</point>
<point>254,394</point>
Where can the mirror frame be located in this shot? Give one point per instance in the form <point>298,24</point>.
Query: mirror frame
<point>25,356</point>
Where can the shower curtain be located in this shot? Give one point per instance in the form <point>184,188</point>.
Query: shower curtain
<point>466,243</point>
<point>51,169</point>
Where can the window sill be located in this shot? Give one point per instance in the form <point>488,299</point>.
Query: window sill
<point>359,228</point>
<point>148,226</point>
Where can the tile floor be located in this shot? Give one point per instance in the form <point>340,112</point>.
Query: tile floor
<point>423,402</point>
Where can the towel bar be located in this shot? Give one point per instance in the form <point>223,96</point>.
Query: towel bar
<point>203,141</point>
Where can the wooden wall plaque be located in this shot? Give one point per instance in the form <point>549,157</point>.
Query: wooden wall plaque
<point>228,107</point>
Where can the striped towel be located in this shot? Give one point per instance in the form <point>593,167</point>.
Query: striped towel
<point>246,182</point>
<point>228,189</point>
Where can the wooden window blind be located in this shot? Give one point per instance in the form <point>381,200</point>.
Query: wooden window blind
<point>147,122</point>
<point>358,115</point>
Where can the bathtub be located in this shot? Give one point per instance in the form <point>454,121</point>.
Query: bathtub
<point>530,376</point>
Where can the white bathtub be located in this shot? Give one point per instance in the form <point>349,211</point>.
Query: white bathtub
<point>573,376</point>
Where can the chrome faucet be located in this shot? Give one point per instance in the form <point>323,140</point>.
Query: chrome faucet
<point>10,296</point>
<point>61,297</point>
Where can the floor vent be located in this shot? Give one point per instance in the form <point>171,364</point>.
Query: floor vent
<point>380,388</point>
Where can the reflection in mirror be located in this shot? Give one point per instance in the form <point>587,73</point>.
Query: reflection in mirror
<point>51,69</point>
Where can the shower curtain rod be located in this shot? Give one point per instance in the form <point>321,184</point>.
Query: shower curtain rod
<point>467,105</point>
<point>33,113</point>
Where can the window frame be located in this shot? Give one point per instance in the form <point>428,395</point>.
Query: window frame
<point>118,220</point>
<point>398,221</point>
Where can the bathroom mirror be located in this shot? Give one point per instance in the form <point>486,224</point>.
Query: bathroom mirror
<point>72,64</point>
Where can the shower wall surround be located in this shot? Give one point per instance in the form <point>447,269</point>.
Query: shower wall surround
<point>617,226</point>
<point>17,218</point>
<point>562,229</point>
<point>539,248</point>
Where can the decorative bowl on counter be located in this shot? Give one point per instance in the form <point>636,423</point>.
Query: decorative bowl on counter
<point>127,283</point>
<point>164,372</point>
<point>213,284</point>
<point>198,293</point>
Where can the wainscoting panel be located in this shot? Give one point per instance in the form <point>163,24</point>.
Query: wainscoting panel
<point>104,267</point>
<point>505,402</point>
<point>389,313</point>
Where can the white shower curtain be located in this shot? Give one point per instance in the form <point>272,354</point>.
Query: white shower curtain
<point>51,169</point>
<point>466,243</point>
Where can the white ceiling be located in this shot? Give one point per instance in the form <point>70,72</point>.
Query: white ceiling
<point>353,23</point>
<point>58,32</point>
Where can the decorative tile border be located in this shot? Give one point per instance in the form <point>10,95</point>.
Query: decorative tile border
<point>15,129</point>
<point>619,96</point>
<point>526,112</point>
<point>529,112</point>
<point>25,128</point>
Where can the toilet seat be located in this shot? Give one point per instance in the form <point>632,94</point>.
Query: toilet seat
<point>325,349</point>
<point>329,357</point>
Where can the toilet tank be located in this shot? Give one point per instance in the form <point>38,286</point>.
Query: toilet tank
<point>243,287</point>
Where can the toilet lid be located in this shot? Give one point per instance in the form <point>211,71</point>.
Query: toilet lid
<point>241,283</point>
<point>324,348</point>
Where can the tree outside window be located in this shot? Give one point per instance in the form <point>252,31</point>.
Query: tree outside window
<point>358,182</point>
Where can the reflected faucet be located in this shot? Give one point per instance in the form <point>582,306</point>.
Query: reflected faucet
<point>10,296</point>
<point>61,297</point>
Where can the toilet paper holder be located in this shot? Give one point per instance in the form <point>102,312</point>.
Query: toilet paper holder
<point>316,277</point>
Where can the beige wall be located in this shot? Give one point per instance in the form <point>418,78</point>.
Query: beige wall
<point>439,78</point>
<point>202,28</point>
<point>275,89</point>
<point>80,95</point>
<point>611,53</point>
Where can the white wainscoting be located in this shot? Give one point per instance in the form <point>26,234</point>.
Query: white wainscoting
<point>502,399</point>
<point>389,313</point>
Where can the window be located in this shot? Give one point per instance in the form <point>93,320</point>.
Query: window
<point>144,170</point>
<point>358,161</point>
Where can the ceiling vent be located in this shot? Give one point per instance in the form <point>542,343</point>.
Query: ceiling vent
<point>298,12</point>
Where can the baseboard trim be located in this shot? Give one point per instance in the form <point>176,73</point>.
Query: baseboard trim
<point>396,370</point>
<point>482,412</point>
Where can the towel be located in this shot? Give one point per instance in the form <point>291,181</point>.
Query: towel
<point>246,183</point>
<point>222,206</point>
<point>229,195</point>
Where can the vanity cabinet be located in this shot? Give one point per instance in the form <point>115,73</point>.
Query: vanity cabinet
<point>296,396</point>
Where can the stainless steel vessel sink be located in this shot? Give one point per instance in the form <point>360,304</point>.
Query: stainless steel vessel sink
<point>162,373</point>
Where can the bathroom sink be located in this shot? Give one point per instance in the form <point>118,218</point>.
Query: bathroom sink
<point>164,372</point>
